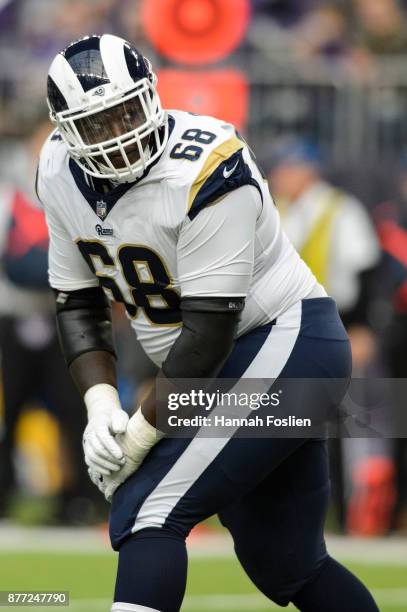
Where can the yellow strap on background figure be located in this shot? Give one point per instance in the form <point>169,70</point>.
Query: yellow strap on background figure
<point>317,248</point>
<point>38,440</point>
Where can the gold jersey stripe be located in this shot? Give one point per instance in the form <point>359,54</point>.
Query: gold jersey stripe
<point>214,159</point>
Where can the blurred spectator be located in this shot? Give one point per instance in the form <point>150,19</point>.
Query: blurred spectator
<point>381,26</point>
<point>323,33</point>
<point>32,366</point>
<point>380,31</point>
<point>47,27</point>
<point>286,13</point>
<point>329,228</point>
<point>126,23</point>
<point>391,219</point>
<point>39,30</point>
<point>334,235</point>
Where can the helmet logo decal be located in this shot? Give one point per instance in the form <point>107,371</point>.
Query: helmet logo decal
<point>100,91</point>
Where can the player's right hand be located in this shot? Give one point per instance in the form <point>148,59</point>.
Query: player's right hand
<point>106,419</point>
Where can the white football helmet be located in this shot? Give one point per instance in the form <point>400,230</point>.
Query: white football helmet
<point>102,97</point>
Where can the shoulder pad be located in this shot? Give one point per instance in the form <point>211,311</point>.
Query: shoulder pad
<point>53,158</point>
<point>53,155</point>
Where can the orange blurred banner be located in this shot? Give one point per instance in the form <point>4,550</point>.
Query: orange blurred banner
<point>195,31</point>
<point>222,93</point>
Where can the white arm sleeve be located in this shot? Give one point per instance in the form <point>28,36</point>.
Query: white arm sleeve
<point>215,251</point>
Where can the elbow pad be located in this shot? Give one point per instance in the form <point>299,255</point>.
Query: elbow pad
<point>84,322</point>
<point>207,337</point>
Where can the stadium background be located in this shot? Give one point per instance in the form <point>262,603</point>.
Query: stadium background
<point>313,86</point>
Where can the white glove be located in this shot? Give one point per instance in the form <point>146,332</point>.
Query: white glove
<point>108,484</point>
<point>136,442</point>
<point>106,419</point>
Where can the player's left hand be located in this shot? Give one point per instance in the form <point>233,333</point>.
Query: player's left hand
<point>135,443</point>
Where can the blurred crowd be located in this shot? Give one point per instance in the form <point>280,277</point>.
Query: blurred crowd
<point>350,31</point>
<point>337,175</point>
<point>346,35</point>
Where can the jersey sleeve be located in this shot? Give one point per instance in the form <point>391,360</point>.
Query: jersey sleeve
<point>67,270</point>
<point>215,251</point>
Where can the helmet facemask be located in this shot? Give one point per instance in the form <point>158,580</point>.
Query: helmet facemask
<point>115,136</point>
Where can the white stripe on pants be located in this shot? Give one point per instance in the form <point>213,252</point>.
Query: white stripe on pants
<point>128,607</point>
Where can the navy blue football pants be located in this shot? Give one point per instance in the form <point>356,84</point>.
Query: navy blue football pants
<point>270,493</point>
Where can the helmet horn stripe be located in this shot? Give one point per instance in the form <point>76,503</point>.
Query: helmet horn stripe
<point>114,61</point>
<point>55,97</point>
<point>66,81</point>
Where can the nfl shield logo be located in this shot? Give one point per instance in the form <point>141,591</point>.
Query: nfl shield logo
<point>101,209</point>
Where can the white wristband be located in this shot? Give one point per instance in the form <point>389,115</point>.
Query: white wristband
<point>101,398</point>
<point>140,433</point>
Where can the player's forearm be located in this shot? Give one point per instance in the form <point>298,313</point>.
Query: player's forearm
<point>206,339</point>
<point>150,404</point>
<point>86,338</point>
<point>93,368</point>
<point>204,344</point>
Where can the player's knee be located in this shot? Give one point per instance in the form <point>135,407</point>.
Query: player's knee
<point>175,529</point>
<point>177,523</point>
<point>153,522</point>
<point>154,532</point>
<point>178,529</point>
<point>283,576</point>
<point>281,593</point>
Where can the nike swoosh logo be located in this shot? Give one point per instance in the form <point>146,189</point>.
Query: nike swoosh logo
<point>227,173</point>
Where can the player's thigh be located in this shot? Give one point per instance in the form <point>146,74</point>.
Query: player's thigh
<point>183,482</point>
<point>277,527</point>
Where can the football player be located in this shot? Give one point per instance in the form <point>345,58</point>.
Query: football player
<point>167,212</point>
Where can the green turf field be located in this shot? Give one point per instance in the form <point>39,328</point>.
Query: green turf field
<point>214,583</point>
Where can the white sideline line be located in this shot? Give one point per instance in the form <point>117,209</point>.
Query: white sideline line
<point>385,596</point>
<point>13,539</point>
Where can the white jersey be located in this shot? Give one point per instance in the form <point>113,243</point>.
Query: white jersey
<point>199,223</point>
